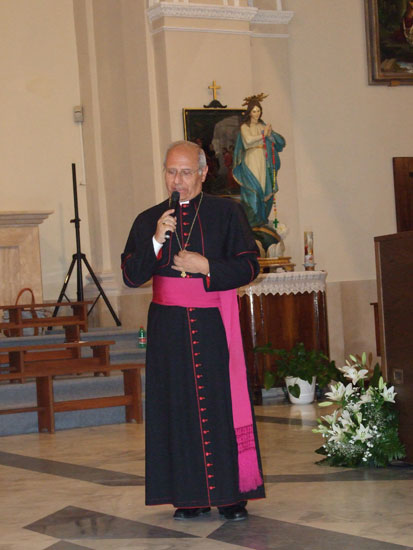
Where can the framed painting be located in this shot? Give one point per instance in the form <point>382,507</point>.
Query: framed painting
<point>215,130</point>
<point>389,29</point>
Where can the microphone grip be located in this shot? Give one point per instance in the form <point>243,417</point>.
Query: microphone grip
<point>175,205</point>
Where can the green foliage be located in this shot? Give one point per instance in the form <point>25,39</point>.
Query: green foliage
<point>298,363</point>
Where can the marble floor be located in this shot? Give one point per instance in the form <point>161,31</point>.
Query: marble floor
<point>84,489</point>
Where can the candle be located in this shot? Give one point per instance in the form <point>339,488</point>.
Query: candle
<point>308,249</point>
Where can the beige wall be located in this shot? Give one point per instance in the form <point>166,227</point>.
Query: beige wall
<point>38,138</point>
<point>345,133</point>
<point>336,176</point>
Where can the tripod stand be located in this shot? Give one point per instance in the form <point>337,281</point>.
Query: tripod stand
<point>77,260</point>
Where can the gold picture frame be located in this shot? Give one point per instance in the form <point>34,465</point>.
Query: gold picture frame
<point>389,32</point>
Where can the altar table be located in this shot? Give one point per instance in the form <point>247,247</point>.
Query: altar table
<point>284,309</point>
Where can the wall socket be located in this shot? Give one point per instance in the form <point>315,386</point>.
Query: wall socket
<point>398,376</point>
<point>78,113</point>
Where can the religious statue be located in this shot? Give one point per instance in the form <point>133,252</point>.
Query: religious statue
<point>255,167</point>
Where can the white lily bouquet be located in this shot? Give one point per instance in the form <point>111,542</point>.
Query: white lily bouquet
<point>363,430</point>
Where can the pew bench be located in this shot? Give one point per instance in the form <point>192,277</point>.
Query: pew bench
<point>64,356</point>
<point>72,324</point>
<point>45,372</point>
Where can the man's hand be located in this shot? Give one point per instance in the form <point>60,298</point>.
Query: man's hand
<point>166,222</point>
<point>191,262</point>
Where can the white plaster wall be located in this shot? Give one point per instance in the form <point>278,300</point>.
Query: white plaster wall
<point>346,133</point>
<point>38,139</point>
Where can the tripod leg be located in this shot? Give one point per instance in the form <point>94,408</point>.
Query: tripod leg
<point>102,293</point>
<point>66,282</point>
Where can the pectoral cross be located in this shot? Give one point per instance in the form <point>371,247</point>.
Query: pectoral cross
<point>214,87</point>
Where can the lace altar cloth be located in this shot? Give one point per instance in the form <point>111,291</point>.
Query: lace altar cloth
<point>292,282</point>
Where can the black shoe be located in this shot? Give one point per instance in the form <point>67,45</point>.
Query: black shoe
<point>237,512</point>
<point>190,513</point>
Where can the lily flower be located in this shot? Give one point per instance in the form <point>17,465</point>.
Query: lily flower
<point>362,433</point>
<point>388,394</point>
<point>345,419</point>
<point>339,391</point>
<point>354,374</point>
<point>330,418</point>
<point>336,433</point>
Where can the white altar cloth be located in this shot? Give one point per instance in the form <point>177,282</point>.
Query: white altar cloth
<point>291,282</point>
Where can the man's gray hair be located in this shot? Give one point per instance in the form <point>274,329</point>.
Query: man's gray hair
<point>191,145</point>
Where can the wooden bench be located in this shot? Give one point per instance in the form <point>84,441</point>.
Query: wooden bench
<point>47,406</point>
<point>15,359</point>
<point>72,324</point>
<point>44,363</point>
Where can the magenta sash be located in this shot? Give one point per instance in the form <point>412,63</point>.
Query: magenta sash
<point>190,292</point>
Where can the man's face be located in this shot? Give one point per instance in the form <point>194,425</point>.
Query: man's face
<point>182,173</point>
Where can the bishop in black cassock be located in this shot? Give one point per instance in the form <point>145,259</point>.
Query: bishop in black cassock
<point>193,444</point>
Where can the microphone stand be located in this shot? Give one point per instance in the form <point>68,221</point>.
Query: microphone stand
<point>77,260</point>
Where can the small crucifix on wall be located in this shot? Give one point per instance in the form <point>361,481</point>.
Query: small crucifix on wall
<point>215,104</point>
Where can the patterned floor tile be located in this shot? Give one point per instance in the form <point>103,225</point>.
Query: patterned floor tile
<point>77,523</point>
<point>72,471</point>
<point>64,545</point>
<point>260,533</point>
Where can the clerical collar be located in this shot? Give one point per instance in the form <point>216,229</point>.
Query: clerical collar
<point>183,202</point>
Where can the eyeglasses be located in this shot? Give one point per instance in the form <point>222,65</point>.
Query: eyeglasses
<point>184,173</point>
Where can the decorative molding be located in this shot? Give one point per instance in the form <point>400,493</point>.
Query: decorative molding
<point>199,30</point>
<point>24,218</point>
<point>269,35</point>
<point>252,34</point>
<point>232,13</point>
<point>295,282</point>
<point>200,11</point>
<point>273,17</point>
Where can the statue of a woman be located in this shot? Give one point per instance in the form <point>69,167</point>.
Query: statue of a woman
<point>256,163</point>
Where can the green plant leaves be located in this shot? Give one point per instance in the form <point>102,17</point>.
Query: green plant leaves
<point>294,390</point>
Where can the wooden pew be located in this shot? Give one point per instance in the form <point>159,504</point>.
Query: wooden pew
<point>45,363</point>
<point>65,355</point>
<point>72,324</point>
<point>46,407</point>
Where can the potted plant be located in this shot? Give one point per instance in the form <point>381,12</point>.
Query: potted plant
<point>300,368</point>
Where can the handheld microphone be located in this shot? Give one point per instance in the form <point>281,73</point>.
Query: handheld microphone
<point>175,205</point>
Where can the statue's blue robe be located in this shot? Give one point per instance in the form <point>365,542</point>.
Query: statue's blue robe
<point>256,200</point>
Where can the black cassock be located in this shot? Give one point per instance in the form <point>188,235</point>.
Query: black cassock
<point>191,449</point>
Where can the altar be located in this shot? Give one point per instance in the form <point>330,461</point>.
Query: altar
<point>283,309</point>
